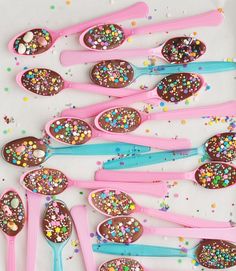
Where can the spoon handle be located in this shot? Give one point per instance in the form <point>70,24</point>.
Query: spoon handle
<point>149,159</point>
<point>11,258</point>
<point>137,10</point>
<point>210,18</point>
<point>57,258</point>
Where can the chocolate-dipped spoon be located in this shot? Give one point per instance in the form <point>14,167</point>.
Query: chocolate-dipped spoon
<point>31,151</point>
<point>12,220</point>
<point>74,131</point>
<point>38,40</point>
<point>220,147</point>
<point>112,202</point>
<point>57,228</point>
<point>211,175</point>
<point>127,229</point>
<point>212,254</point>
<point>178,50</point>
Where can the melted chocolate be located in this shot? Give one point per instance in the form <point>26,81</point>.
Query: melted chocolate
<point>112,202</point>
<point>46,181</point>
<point>57,222</point>
<point>104,37</point>
<point>112,73</point>
<point>121,229</point>
<point>120,120</point>
<point>178,87</point>
<point>121,264</point>
<point>216,175</point>
<point>71,131</point>
<point>216,254</point>
<point>221,147</point>
<point>12,213</point>
<point>183,50</point>
<point>33,42</point>
<point>42,81</point>
<point>25,152</point>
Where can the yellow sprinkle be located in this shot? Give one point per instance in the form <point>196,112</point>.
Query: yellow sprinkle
<point>146,63</point>
<point>213,205</point>
<point>133,23</point>
<point>25,99</point>
<point>221,10</point>
<point>183,122</point>
<point>165,108</point>
<point>181,239</point>
<point>129,39</point>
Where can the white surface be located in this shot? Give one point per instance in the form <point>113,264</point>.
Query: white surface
<point>31,112</point>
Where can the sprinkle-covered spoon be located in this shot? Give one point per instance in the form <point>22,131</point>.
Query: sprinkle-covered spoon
<point>12,220</point>
<point>118,264</point>
<point>179,50</point>
<point>212,254</point>
<point>211,175</point>
<point>74,131</point>
<point>173,88</point>
<point>127,229</point>
<point>57,228</point>
<point>38,40</point>
<point>112,202</point>
<point>31,151</point>
<point>220,147</point>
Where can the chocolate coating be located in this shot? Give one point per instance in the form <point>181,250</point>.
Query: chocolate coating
<point>215,175</point>
<point>120,120</point>
<point>71,131</point>
<point>12,213</point>
<point>25,152</point>
<point>39,42</point>
<point>42,81</point>
<point>57,222</point>
<point>216,254</point>
<point>112,73</point>
<point>221,147</point>
<point>104,37</point>
<point>121,229</point>
<point>183,50</point>
<point>178,87</point>
<point>112,202</point>
<point>121,264</point>
<point>46,181</point>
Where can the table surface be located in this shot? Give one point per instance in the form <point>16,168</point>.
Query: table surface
<point>22,113</point>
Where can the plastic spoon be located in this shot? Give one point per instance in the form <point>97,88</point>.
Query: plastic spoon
<point>212,254</point>
<point>177,50</point>
<point>211,175</point>
<point>12,220</point>
<point>126,229</point>
<point>57,228</point>
<point>112,202</point>
<point>110,36</point>
<point>75,131</point>
<point>173,88</point>
<point>31,151</point>
<point>38,40</point>
<point>220,147</point>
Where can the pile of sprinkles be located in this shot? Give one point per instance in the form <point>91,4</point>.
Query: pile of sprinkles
<point>121,229</point>
<point>216,175</point>
<point>183,50</point>
<point>42,81</point>
<point>121,264</point>
<point>112,202</point>
<point>104,37</point>
<point>71,131</point>
<point>120,120</point>
<point>112,73</point>
<point>46,181</point>
<point>33,42</point>
<point>57,222</point>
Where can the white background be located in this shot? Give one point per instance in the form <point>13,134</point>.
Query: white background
<point>31,112</point>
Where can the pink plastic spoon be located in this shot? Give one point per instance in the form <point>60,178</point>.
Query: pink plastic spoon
<point>74,131</point>
<point>126,229</point>
<point>173,88</point>
<point>211,175</point>
<point>112,202</point>
<point>38,40</point>
<point>110,36</point>
<point>178,50</point>
<point>12,220</point>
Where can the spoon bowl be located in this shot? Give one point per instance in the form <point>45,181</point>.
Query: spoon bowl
<point>121,264</point>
